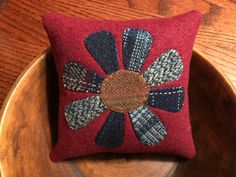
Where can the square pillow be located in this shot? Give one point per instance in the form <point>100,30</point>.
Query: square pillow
<point>123,84</point>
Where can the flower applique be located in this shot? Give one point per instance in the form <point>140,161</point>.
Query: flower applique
<point>124,90</point>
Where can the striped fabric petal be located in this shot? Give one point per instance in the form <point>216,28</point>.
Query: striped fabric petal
<point>168,67</point>
<point>136,46</point>
<point>169,99</point>
<point>79,78</point>
<point>148,128</point>
<point>79,113</point>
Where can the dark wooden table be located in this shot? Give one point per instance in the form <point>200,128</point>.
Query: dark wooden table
<point>22,36</point>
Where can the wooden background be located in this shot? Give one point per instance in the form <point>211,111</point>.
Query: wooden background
<point>22,36</point>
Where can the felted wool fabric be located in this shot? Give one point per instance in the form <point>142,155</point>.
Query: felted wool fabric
<point>123,84</point>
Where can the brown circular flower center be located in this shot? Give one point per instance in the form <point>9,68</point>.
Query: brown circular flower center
<point>124,91</point>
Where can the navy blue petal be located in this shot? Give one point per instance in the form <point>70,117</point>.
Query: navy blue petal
<point>112,132</point>
<point>169,99</point>
<point>101,45</point>
<point>136,46</point>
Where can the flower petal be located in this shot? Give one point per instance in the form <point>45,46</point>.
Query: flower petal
<point>168,67</point>
<point>170,99</point>
<point>79,113</point>
<point>136,46</point>
<point>148,127</point>
<point>78,78</point>
<point>112,132</point>
<point>101,45</point>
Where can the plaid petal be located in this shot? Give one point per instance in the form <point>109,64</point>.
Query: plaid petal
<point>112,132</point>
<point>79,113</point>
<point>78,78</point>
<point>147,126</point>
<point>136,46</point>
<point>101,45</point>
<point>168,67</point>
<point>170,99</point>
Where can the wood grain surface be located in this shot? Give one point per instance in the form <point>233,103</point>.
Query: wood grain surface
<point>28,128</point>
<point>22,36</point>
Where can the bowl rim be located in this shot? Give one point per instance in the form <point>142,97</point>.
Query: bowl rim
<point>38,59</point>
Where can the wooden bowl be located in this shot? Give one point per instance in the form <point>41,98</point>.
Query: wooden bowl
<point>29,115</point>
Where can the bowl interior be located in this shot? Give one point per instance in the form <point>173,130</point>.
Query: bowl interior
<point>29,127</point>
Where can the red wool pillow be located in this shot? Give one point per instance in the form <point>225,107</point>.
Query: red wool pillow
<point>123,84</point>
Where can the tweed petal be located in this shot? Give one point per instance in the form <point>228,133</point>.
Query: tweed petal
<point>81,112</point>
<point>168,67</point>
<point>112,132</point>
<point>101,45</point>
<point>79,78</point>
<point>148,127</point>
<point>170,99</point>
<point>136,46</point>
